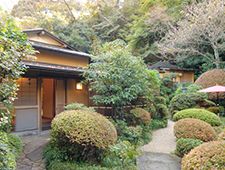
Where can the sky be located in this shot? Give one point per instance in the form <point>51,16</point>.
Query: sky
<point>8,4</point>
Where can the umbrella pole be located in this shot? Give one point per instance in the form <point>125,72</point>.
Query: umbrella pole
<point>217,96</point>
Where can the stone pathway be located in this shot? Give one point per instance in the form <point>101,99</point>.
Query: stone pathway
<point>158,154</point>
<point>31,158</point>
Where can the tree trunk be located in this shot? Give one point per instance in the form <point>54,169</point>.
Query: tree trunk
<point>217,57</point>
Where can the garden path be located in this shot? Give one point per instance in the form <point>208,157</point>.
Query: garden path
<point>31,157</point>
<point>158,154</point>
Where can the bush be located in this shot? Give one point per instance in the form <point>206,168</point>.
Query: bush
<point>162,111</point>
<point>136,135</point>
<point>214,109</point>
<point>212,78</point>
<point>158,123</point>
<point>82,134</point>
<point>194,128</point>
<point>184,145</point>
<point>123,154</point>
<point>160,99</point>
<point>201,114</point>
<point>206,156</point>
<point>207,103</point>
<point>78,106</point>
<point>15,144</point>
<point>140,116</point>
<point>7,158</point>
<point>189,88</point>
<point>221,136</point>
<point>186,100</point>
<point>52,154</point>
<point>75,166</point>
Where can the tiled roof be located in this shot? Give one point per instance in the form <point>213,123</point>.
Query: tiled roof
<point>166,65</point>
<point>53,67</point>
<point>58,49</point>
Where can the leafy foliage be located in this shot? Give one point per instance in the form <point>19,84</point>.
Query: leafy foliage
<point>15,144</point>
<point>200,114</point>
<point>188,88</point>
<point>123,154</point>
<point>195,129</point>
<point>214,109</point>
<point>13,48</point>
<point>75,166</point>
<point>78,106</point>
<point>186,100</point>
<point>116,76</point>
<point>132,134</point>
<point>140,116</point>
<point>185,145</point>
<point>78,34</point>
<point>199,33</point>
<point>158,123</point>
<point>7,157</point>
<point>209,155</point>
<point>82,134</point>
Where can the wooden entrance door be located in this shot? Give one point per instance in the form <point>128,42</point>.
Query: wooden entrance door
<point>60,94</point>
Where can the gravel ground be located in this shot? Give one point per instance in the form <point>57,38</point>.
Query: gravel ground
<point>157,155</point>
<point>163,140</point>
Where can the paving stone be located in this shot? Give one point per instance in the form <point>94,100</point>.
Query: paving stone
<point>31,158</point>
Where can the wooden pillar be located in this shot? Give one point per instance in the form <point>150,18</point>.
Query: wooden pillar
<point>39,91</point>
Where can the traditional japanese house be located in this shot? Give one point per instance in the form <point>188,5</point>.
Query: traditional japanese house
<point>50,82</point>
<point>183,75</point>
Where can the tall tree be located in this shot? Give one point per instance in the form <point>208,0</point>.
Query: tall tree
<point>199,33</point>
<point>152,22</point>
<point>117,77</point>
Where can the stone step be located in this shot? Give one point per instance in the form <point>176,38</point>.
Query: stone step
<point>158,161</point>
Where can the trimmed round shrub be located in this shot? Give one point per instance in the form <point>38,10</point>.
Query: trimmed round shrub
<point>185,145</point>
<point>207,156</point>
<point>221,136</point>
<point>212,78</point>
<point>214,109</point>
<point>82,134</point>
<point>195,129</point>
<point>78,106</point>
<point>201,114</point>
<point>140,116</point>
<point>187,100</point>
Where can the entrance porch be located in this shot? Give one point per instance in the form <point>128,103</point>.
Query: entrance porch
<point>42,95</point>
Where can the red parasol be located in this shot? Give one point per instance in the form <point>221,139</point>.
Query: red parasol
<point>214,89</point>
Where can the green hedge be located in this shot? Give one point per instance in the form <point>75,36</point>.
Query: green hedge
<point>189,100</point>
<point>184,145</point>
<point>201,114</point>
<point>186,100</point>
